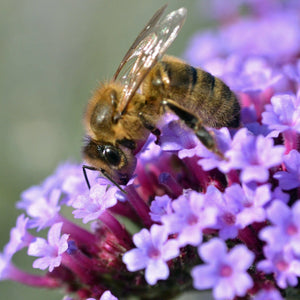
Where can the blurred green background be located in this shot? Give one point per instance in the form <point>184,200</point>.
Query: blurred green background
<point>52,55</point>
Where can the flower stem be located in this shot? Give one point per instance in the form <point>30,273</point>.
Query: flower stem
<point>139,205</point>
<point>117,229</point>
<point>170,183</point>
<point>32,280</point>
<point>290,140</point>
<point>80,264</point>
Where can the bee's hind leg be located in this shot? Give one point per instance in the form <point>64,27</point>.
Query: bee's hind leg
<point>194,123</point>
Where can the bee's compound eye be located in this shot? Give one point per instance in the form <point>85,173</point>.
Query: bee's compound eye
<point>112,155</point>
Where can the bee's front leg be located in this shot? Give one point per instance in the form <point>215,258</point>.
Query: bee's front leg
<point>148,125</point>
<point>195,123</point>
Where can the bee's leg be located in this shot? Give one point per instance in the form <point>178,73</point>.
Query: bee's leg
<point>194,123</point>
<point>148,125</point>
<point>84,168</point>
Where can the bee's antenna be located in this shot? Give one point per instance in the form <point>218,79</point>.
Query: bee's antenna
<point>85,167</point>
<point>112,181</point>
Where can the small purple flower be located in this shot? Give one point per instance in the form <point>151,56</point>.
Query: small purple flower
<point>227,212</point>
<point>90,207</point>
<point>283,264</point>
<point>283,114</point>
<point>19,237</point>
<point>176,136</point>
<point>44,211</point>
<point>291,178</point>
<point>270,294</point>
<point>160,206</point>
<point>152,252</point>
<point>238,207</point>
<point>224,272</point>
<point>5,266</point>
<point>107,295</point>
<point>67,178</point>
<point>29,196</point>
<point>8,271</point>
<point>74,185</point>
<point>190,216</point>
<point>254,156</point>
<point>50,252</point>
<point>285,228</point>
<point>253,201</point>
<point>150,150</point>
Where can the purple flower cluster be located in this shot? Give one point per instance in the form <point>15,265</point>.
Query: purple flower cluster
<point>190,219</point>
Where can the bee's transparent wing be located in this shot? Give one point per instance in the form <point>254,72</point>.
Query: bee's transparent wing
<point>146,50</point>
<point>149,26</point>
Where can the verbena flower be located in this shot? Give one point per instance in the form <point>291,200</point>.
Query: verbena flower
<point>252,201</point>
<point>227,212</point>
<point>268,294</point>
<point>285,228</point>
<point>50,252</point>
<point>107,295</point>
<point>19,236</point>
<point>90,207</point>
<point>189,218</point>
<point>283,114</point>
<point>152,252</point>
<point>160,206</point>
<point>283,264</point>
<point>225,272</point>
<point>290,178</point>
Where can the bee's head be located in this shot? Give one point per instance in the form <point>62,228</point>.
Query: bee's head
<point>116,162</point>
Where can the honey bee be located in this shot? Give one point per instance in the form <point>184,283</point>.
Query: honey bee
<point>123,112</point>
